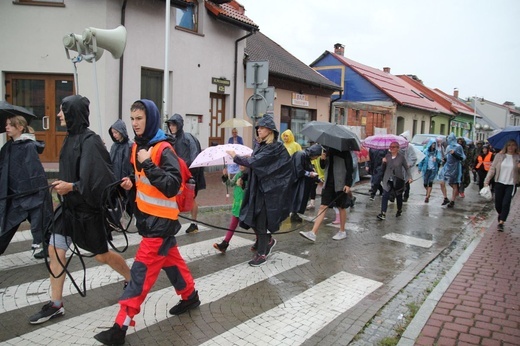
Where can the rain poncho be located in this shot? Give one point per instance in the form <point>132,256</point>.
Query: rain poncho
<point>452,170</point>
<point>431,162</point>
<point>303,183</point>
<point>290,144</point>
<point>120,151</point>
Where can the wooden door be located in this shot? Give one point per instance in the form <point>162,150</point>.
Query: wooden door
<point>217,114</point>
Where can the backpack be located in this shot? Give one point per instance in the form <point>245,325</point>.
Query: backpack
<point>186,194</point>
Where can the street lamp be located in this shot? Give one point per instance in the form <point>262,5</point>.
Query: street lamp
<point>475,118</point>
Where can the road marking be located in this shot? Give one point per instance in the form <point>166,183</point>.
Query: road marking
<point>81,329</point>
<point>24,259</point>
<point>301,317</point>
<point>37,292</point>
<point>406,239</point>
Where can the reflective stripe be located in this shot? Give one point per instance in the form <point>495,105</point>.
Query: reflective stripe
<point>157,201</point>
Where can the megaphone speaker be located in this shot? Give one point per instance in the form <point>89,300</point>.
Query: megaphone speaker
<point>112,40</point>
<point>75,42</point>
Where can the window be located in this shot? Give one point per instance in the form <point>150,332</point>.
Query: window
<point>295,119</point>
<point>152,86</point>
<point>188,18</point>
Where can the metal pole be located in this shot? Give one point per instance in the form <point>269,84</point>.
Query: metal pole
<point>474,119</point>
<point>166,57</point>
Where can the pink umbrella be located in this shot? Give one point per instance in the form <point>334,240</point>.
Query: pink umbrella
<point>216,155</point>
<point>383,141</point>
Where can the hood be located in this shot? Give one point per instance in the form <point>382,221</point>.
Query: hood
<point>451,139</point>
<point>177,120</point>
<point>268,122</point>
<point>26,136</point>
<point>429,144</point>
<point>290,136</point>
<point>152,132</point>
<point>406,135</point>
<point>120,127</point>
<point>76,111</point>
<point>314,150</point>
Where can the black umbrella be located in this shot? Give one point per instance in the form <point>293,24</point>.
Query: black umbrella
<point>7,110</point>
<point>332,135</point>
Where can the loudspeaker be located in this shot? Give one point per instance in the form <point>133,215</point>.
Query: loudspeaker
<point>75,42</point>
<point>112,40</point>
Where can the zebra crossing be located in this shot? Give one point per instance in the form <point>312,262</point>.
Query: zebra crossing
<point>290,300</point>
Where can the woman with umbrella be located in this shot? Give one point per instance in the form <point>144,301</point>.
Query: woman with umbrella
<point>265,206</point>
<point>506,170</point>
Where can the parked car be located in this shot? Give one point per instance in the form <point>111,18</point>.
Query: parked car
<point>420,140</point>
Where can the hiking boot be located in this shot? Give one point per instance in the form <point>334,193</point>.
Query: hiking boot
<point>270,246</point>
<point>446,201</point>
<point>258,260</point>
<point>340,235</point>
<point>296,218</point>
<point>222,247</point>
<point>500,227</point>
<point>47,312</point>
<point>399,213</point>
<point>192,228</point>
<point>381,216</point>
<point>113,336</point>
<point>451,204</point>
<point>185,305</point>
<point>308,235</point>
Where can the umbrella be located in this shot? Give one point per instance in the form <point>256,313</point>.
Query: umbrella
<point>7,110</point>
<point>332,135</point>
<point>509,132</point>
<point>383,141</point>
<point>235,122</point>
<point>216,155</point>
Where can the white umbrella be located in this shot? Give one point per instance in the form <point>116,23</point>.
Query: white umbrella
<point>235,122</point>
<point>216,155</point>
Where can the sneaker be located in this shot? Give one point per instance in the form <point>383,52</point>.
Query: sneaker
<point>451,204</point>
<point>399,213</point>
<point>340,235</point>
<point>426,200</point>
<point>500,227</point>
<point>193,228</point>
<point>462,195</point>
<point>310,206</point>
<point>372,197</point>
<point>42,254</point>
<point>258,260</point>
<point>270,246</point>
<point>185,305</point>
<point>47,312</point>
<point>381,216</point>
<point>446,201</point>
<point>113,336</point>
<point>296,218</point>
<point>222,247</point>
<point>308,235</point>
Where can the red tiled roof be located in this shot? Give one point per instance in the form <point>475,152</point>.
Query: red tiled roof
<point>232,12</point>
<point>457,105</point>
<point>396,88</point>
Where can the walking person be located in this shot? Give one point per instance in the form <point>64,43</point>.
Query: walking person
<point>85,172</point>
<point>188,147</point>
<point>157,180</point>
<point>317,183</point>
<point>270,175</point>
<point>21,171</point>
<point>375,169</point>
<point>396,173</point>
<point>452,169</point>
<point>238,183</point>
<point>338,166</point>
<point>482,165</point>
<point>429,167</point>
<point>506,171</point>
<point>411,159</point>
<point>466,167</point>
<point>290,144</point>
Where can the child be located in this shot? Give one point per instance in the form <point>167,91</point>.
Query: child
<point>239,183</point>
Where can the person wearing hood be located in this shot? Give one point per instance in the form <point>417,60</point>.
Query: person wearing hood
<point>85,172</point>
<point>305,176</point>
<point>339,177</point>
<point>466,167</point>
<point>120,155</point>
<point>21,171</point>
<point>452,169</point>
<point>411,159</point>
<point>290,144</point>
<point>188,147</point>
<point>270,176</point>
<point>156,180</point>
<point>375,169</point>
<point>429,167</point>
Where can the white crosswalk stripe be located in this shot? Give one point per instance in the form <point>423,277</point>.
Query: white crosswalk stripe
<point>406,239</point>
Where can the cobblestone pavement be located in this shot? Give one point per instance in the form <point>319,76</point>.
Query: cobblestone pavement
<point>323,293</point>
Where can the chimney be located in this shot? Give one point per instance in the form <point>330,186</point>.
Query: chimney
<point>339,49</point>
<point>456,93</point>
<point>386,69</point>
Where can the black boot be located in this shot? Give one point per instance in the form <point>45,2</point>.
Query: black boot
<point>185,305</point>
<point>222,247</point>
<point>113,336</point>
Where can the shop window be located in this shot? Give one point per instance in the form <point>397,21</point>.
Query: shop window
<point>295,119</point>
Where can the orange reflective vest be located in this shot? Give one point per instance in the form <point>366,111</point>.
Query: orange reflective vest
<point>486,161</point>
<point>148,198</point>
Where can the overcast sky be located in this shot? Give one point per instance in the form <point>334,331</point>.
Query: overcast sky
<point>472,45</point>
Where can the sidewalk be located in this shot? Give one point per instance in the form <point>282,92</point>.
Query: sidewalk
<point>478,301</point>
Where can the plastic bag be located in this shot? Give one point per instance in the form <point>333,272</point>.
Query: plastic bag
<point>486,193</point>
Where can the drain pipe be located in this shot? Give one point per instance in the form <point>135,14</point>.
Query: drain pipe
<point>236,71</point>
<point>121,64</point>
<point>331,102</point>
